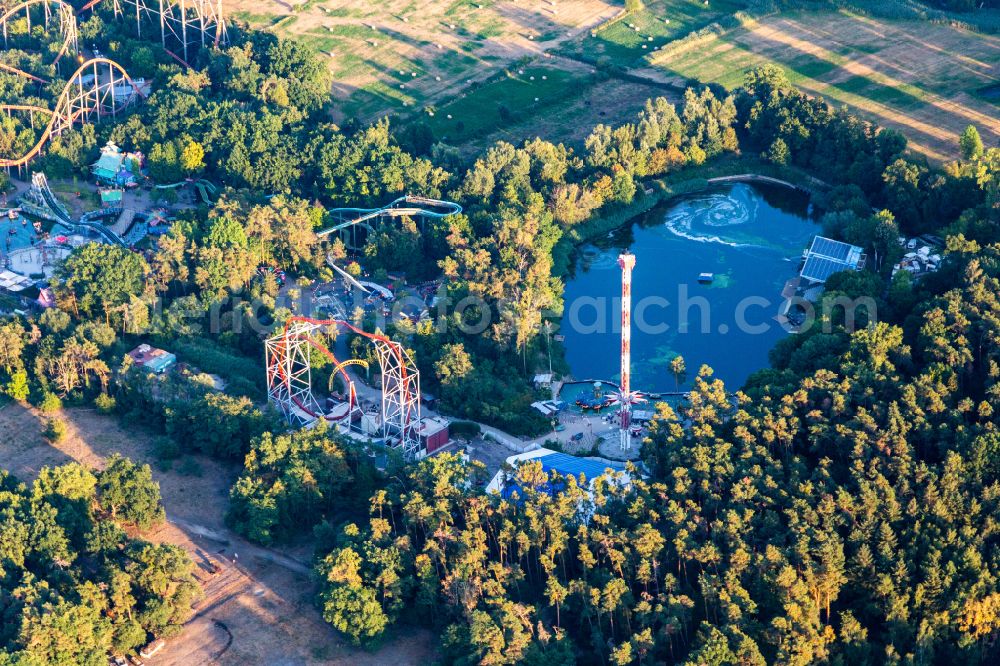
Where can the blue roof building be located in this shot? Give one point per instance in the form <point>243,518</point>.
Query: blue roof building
<point>115,167</point>
<point>562,464</point>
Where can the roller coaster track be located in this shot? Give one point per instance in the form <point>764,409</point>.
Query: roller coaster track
<point>289,380</point>
<point>84,96</point>
<point>404,206</point>
<point>187,22</point>
<point>21,72</point>
<point>67,25</point>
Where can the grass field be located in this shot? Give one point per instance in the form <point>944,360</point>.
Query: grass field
<point>918,77</point>
<point>515,95</point>
<point>625,41</point>
<point>464,58</point>
<point>608,100</point>
<point>400,56</point>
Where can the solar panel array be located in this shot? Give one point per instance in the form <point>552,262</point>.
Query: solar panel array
<point>827,257</point>
<point>831,249</point>
<point>818,269</point>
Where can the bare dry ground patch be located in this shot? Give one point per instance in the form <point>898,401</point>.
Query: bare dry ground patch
<point>915,76</point>
<point>263,600</point>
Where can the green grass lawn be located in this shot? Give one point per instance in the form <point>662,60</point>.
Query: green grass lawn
<point>727,67</point>
<point>503,102</point>
<point>257,20</point>
<point>622,42</point>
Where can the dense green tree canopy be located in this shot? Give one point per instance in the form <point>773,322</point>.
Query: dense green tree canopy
<point>73,586</point>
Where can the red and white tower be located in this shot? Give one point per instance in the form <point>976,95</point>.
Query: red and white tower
<point>627,262</point>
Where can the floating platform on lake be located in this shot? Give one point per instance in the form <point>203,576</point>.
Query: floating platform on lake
<point>706,278</point>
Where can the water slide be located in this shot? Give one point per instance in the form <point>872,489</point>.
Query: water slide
<point>347,276</point>
<point>86,223</point>
<point>408,206</point>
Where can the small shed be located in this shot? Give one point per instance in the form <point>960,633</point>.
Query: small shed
<point>152,649</point>
<point>642,415</point>
<point>543,380</point>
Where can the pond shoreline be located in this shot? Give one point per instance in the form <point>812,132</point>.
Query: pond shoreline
<point>758,178</point>
<point>662,190</point>
<point>743,227</point>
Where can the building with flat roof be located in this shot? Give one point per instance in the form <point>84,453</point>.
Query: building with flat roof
<point>112,198</point>
<point>13,282</point>
<point>153,359</point>
<point>433,433</point>
<point>826,257</point>
<point>505,483</point>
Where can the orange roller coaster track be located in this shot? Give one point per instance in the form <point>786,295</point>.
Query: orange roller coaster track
<point>99,87</point>
<point>51,10</point>
<point>289,380</point>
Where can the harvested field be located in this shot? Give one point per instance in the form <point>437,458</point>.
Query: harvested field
<point>918,77</point>
<point>259,608</point>
<point>626,41</point>
<point>609,100</point>
<point>523,95</point>
<point>399,56</point>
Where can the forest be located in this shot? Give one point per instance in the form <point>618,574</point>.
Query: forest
<point>74,586</point>
<point>842,508</point>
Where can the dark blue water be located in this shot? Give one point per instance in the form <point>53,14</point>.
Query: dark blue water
<point>750,237</point>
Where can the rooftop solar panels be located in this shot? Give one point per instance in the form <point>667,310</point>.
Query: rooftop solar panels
<point>830,249</point>
<point>827,257</point>
<point>818,269</point>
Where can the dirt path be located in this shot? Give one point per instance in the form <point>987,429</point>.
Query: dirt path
<point>238,545</point>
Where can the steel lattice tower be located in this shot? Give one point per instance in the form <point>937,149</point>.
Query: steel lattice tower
<point>400,397</point>
<point>188,23</point>
<point>289,377</point>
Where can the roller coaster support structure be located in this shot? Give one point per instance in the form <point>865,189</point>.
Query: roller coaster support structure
<point>98,88</point>
<point>289,381</point>
<point>188,23</point>
<point>52,10</point>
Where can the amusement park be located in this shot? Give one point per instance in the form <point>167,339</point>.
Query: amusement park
<point>44,224</point>
<point>322,364</point>
<point>122,205</point>
<point>498,332</point>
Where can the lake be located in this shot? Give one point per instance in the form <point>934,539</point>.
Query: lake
<point>749,236</point>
